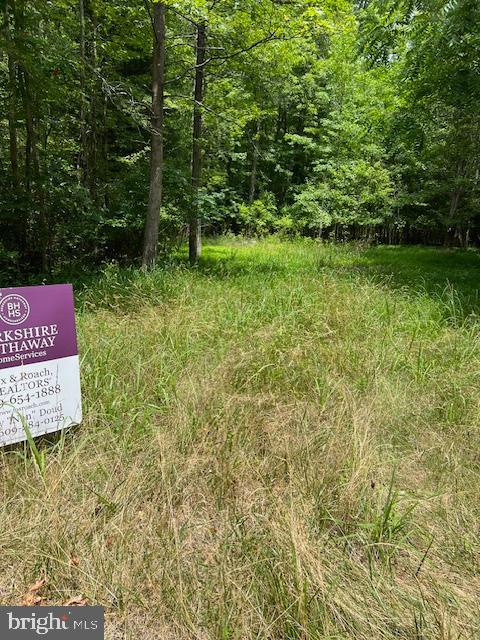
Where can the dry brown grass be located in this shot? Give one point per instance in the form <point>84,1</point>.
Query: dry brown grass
<point>270,452</point>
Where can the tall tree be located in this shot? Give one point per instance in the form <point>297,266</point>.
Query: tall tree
<point>150,243</point>
<point>12,100</point>
<point>82,156</point>
<point>195,230</point>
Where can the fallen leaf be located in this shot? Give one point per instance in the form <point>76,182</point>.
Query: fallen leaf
<point>31,600</point>
<point>76,602</point>
<point>36,586</point>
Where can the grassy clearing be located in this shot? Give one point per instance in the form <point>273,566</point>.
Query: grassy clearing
<point>281,444</point>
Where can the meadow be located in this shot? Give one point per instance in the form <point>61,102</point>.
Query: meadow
<point>280,443</point>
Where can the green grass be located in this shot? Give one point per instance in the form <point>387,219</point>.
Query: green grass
<point>280,444</point>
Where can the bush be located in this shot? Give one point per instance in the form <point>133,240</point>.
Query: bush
<point>260,217</point>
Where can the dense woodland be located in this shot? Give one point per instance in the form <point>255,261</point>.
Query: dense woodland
<point>127,126</point>
<point>282,441</point>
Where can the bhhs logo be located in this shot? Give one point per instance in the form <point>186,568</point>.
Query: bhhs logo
<point>14,309</point>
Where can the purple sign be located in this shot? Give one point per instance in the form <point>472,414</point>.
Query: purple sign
<point>39,363</point>
<point>37,324</point>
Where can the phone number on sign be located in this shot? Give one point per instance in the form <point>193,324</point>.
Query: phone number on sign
<point>21,399</point>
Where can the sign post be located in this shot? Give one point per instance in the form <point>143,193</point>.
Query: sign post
<point>39,363</point>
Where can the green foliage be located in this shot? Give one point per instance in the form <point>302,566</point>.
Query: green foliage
<point>349,193</point>
<point>259,217</point>
<point>433,139</point>
<point>355,192</point>
<point>310,210</point>
<point>359,117</point>
<point>39,456</point>
<point>8,263</point>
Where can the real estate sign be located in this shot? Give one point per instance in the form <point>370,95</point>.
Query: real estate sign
<point>39,364</point>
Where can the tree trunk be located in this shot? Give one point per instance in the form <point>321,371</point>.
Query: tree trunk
<point>150,242</point>
<point>104,154</point>
<point>456,194</point>
<point>32,168</point>
<point>82,156</point>
<point>93,154</point>
<point>454,202</point>
<point>195,231</point>
<point>12,103</point>
<point>253,174</point>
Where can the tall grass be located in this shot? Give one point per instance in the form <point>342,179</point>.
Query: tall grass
<point>280,444</point>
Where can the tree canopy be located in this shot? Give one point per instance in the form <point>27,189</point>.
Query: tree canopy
<point>328,118</point>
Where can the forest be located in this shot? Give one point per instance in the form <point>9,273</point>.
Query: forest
<point>127,127</point>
